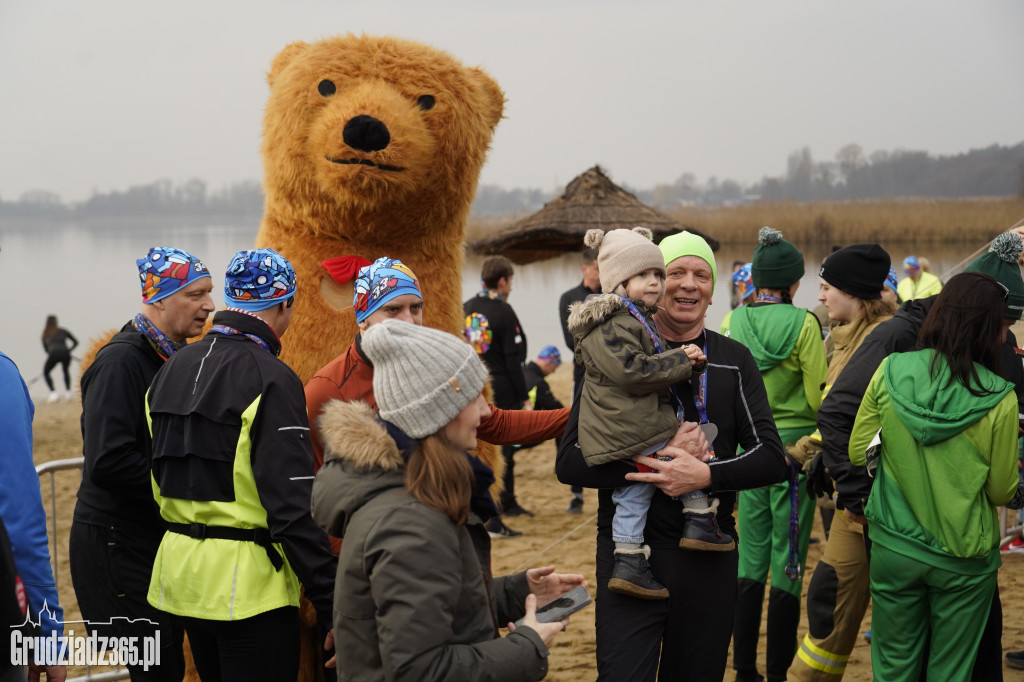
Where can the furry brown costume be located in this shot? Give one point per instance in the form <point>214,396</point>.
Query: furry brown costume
<point>372,146</point>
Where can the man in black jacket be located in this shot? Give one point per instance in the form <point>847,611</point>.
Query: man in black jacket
<point>493,329</point>
<point>116,526</point>
<point>591,284</point>
<point>233,466</point>
<point>687,635</point>
<point>536,373</point>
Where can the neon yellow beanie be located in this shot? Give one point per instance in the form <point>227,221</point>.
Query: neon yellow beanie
<point>689,244</point>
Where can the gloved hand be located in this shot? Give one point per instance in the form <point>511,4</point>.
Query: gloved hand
<point>804,449</point>
<point>819,483</point>
<point>1017,501</point>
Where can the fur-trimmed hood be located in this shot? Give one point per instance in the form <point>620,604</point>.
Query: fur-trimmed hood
<point>352,433</point>
<point>593,310</point>
<point>361,461</point>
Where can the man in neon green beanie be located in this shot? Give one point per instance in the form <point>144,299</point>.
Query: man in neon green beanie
<point>633,635</point>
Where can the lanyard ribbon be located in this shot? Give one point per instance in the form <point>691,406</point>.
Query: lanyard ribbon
<point>793,569</point>
<point>656,342</point>
<point>231,331</point>
<point>700,387</point>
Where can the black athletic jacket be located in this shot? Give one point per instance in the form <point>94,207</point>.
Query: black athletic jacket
<point>507,351</point>
<point>224,392</point>
<point>737,405</point>
<point>115,488</point>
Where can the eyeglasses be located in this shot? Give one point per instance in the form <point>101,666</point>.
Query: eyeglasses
<point>290,302</point>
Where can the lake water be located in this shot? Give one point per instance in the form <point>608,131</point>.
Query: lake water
<point>86,276</point>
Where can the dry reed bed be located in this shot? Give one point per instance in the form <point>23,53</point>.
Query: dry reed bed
<point>912,221</point>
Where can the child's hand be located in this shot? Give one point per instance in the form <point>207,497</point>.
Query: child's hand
<point>695,354</point>
<point>690,437</point>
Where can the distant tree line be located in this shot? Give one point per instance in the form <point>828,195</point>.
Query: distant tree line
<point>992,171</point>
<point>162,197</point>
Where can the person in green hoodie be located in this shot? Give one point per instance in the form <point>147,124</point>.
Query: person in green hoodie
<point>775,521</point>
<point>947,425</point>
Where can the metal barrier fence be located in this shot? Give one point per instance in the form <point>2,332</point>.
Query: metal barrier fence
<point>1008,533</point>
<point>52,468</point>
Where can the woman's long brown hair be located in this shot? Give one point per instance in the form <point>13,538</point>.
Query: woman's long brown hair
<point>874,308</point>
<point>51,328</point>
<point>964,326</point>
<point>440,477</point>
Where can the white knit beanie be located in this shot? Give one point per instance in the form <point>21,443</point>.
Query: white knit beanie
<point>623,254</point>
<point>422,377</point>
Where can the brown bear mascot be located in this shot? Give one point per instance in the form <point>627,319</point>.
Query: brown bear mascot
<point>372,146</point>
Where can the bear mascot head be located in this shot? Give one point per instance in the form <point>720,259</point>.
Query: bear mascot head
<point>372,146</point>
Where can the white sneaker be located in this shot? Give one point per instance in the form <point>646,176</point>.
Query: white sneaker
<point>69,396</point>
<point>54,397</point>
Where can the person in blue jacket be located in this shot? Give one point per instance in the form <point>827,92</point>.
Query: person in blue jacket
<point>21,508</point>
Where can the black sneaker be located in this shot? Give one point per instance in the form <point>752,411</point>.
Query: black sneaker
<point>516,510</point>
<point>497,529</point>
<point>701,532</point>
<point>1015,659</point>
<point>632,576</point>
<point>575,505</point>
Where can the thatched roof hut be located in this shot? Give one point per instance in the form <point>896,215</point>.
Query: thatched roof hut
<point>591,200</point>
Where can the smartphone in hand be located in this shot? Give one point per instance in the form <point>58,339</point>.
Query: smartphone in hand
<point>557,609</point>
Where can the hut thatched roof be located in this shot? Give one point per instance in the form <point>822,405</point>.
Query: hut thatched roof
<point>591,200</point>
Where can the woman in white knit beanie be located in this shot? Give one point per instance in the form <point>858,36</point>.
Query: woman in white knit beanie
<point>411,594</point>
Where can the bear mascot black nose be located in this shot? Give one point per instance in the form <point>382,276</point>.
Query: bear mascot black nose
<point>366,134</point>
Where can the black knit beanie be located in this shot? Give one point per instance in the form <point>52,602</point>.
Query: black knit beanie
<point>858,270</point>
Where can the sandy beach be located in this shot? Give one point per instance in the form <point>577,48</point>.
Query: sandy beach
<point>551,537</point>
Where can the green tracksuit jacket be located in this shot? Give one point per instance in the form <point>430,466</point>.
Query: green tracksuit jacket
<point>948,458</point>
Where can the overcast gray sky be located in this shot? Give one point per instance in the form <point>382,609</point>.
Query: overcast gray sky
<point>104,94</point>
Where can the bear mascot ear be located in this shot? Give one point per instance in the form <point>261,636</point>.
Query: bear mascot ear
<point>284,58</point>
<point>492,94</point>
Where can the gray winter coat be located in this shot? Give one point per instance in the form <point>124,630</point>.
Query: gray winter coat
<point>626,406</point>
<point>410,602</point>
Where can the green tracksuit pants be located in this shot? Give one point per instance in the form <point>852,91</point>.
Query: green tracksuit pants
<point>763,517</point>
<point>907,597</point>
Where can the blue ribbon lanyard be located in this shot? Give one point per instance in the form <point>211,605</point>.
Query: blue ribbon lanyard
<point>231,331</point>
<point>700,392</point>
<point>794,571</point>
<point>657,349</point>
<point>700,387</point>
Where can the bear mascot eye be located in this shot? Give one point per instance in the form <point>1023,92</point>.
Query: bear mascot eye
<point>425,102</point>
<point>327,88</point>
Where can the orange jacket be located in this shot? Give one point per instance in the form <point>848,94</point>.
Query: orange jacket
<point>349,377</point>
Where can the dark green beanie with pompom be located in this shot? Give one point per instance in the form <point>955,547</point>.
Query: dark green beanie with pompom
<point>777,264</point>
<point>1000,261</point>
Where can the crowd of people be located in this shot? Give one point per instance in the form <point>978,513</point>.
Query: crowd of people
<point>217,487</point>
